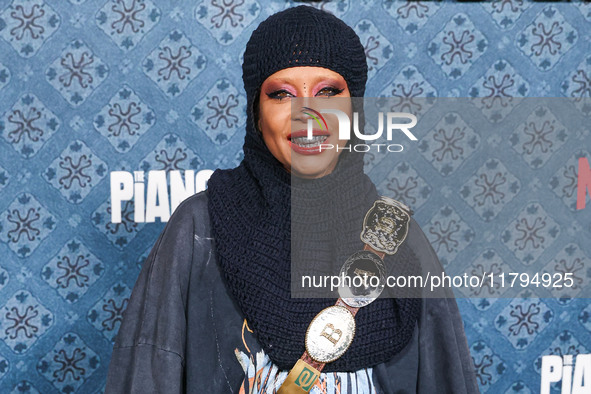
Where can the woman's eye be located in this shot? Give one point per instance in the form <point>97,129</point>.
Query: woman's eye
<point>329,91</point>
<point>279,94</point>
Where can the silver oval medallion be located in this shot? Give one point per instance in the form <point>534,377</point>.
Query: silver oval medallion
<point>364,279</point>
<point>330,333</point>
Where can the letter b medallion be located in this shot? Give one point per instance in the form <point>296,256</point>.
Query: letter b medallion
<point>330,334</point>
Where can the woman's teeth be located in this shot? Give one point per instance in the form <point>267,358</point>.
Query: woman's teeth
<point>309,143</point>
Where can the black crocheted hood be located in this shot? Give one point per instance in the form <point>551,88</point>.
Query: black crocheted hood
<point>251,207</point>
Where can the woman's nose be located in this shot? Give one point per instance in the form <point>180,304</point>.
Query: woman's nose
<point>298,107</point>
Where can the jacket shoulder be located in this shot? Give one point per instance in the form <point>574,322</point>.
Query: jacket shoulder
<point>193,209</point>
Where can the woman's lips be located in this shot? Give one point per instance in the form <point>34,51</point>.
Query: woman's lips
<point>299,142</point>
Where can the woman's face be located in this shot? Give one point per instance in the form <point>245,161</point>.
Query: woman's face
<point>284,131</point>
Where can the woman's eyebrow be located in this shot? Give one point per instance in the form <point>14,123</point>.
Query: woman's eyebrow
<point>283,80</point>
<point>315,79</point>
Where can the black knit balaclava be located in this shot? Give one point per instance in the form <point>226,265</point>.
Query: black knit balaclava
<point>251,207</point>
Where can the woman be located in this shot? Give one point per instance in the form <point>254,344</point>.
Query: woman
<point>211,311</point>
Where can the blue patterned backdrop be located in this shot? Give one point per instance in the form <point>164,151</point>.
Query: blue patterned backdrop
<point>88,87</point>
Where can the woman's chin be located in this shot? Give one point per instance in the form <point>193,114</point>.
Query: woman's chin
<point>313,166</point>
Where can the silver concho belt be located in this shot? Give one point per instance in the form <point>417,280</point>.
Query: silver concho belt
<point>331,332</point>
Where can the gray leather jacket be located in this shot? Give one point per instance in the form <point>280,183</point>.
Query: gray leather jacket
<point>181,326</point>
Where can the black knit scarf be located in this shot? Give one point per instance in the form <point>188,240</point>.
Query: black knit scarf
<point>255,207</point>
